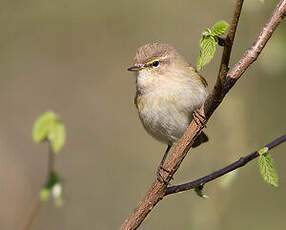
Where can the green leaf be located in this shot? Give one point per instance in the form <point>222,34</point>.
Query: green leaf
<point>53,180</point>
<point>49,127</point>
<point>219,28</point>
<point>207,50</point>
<point>45,194</point>
<point>267,169</point>
<point>208,43</point>
<point>42,126</point>
<point>199,192</point>
<point>206,32</point>
<point>53,187</point>
<point>57,135</point>
<point>263,151</point>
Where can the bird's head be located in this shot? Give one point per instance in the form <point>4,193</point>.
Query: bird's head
<point>155,64</point>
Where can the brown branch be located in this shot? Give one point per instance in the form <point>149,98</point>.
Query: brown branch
<point>223,85</point>
<point>228,45</point>
<point>157,190</point>
<point>231,167</point>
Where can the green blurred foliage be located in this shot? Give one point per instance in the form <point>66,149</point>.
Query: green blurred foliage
<point>71,56</point>
<point>49,127</point>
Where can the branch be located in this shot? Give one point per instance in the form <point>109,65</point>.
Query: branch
<point>37,203</point>
<point>223,85</point>
<point>157,190</point>
<point>235,165</point>
<point>228,44</point>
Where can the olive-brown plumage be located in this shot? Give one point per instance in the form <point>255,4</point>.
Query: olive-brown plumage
<point>168,91</point>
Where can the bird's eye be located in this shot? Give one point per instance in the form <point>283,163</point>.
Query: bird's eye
<point>155,64</point>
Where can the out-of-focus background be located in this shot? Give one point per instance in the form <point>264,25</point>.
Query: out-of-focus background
<point>71,56</point>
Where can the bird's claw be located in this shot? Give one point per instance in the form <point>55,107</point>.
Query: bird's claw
<point>199,118</point>
<point>160,176</point>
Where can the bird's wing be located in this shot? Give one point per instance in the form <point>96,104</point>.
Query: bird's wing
<point>203,80</point>
<point>196,74</point>
<point>136,99</point>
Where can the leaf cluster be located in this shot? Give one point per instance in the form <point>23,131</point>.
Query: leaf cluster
<point>49,127</point>
<point>208,43</point>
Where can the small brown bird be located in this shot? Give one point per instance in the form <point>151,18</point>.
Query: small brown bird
<point>168,91</point>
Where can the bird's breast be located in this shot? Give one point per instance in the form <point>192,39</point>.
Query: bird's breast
<point>165,113</point>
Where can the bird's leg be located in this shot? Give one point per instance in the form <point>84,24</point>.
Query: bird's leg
<point>199,118</point>
<point>159,175</point>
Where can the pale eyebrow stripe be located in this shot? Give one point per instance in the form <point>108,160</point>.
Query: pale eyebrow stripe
<point>155,59</point>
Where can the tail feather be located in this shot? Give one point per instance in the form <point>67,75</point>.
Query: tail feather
<point>202,138</point>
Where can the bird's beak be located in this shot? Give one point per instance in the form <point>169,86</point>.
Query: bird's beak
<point>135,68</point>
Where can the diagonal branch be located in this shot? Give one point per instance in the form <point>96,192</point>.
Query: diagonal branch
<point>157,190</point>
<point>37,203</point>
<point>235,165</point>
<point>224,65</point>
<point>223,85</point>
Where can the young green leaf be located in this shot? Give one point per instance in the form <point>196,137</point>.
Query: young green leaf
<point>57,135</point>
<point>53,187</point>
<point>53,180</point>
<point>45,194</point>
<point>199,192</point>
<point>267,169</point>
<point>49,127</point>
<point>207,50</point>
<point>262,151</point>
<point>206,32</point>
<point>219,28</point>
<point>208,43</point>
<point>42,126</point>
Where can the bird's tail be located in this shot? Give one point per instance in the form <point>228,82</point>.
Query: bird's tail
<point>202,138</point>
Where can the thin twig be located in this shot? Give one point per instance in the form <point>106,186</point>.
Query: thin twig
<point>51,164</point>
<point>158,189</point>
<point>224,65</point>
<point>229,41</point>
<point>231,167</point>
<point>37,203</point>
<point>32,214</point>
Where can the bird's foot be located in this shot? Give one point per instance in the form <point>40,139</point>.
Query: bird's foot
<point>160,176</point>
<point>199,118</point>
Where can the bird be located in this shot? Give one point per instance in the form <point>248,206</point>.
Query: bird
<point>168,93</point>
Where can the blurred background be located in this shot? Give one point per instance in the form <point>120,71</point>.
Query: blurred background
<point>71,56</point>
